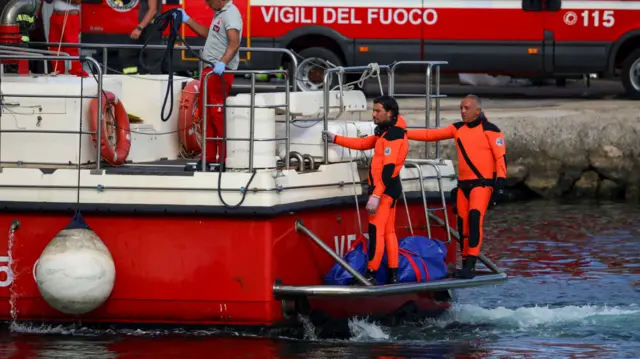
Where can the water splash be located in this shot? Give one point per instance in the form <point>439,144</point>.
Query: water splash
<point>531,317</point>
<point>363,330</point>
<point>308,327</point>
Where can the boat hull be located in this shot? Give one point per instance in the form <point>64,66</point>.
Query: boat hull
<point>208,269</point>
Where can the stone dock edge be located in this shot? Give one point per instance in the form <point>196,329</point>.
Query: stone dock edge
<point>562,149</point>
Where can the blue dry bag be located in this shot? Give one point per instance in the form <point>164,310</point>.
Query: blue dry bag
<point>358,258</point>
<point>421,259</point>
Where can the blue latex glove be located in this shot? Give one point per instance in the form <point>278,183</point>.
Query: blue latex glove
<point>185,17</point>
<point>219,68</point>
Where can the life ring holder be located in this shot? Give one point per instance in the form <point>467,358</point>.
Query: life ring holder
<point>114,154</point>
<point>190,120</point>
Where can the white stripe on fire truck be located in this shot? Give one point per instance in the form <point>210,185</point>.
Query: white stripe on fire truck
<point>171,2</point>
<point>449,4</point>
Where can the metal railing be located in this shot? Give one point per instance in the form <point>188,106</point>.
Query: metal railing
<point>98,133</point>
<point>430,66</point>
<point>14,52</point>
<point>38,51</point>
<point>252,108</point>
<point>328,76</point>
<point>80,132</point>
<point>106,47</point>
<point>26,50</point>
<point>300,228</point>
<point>417,163</point>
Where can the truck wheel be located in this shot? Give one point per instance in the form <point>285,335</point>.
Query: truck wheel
<point>631,75</point>
<point>310,71</point>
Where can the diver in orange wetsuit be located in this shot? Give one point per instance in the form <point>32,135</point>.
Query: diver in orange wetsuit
<point>482,174</point>
<point>391,147</point>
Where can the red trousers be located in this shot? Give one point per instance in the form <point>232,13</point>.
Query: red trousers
<point>71,34</point>
<point>216,95</point>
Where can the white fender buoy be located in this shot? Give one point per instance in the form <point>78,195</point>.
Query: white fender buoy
<point>75,272</point>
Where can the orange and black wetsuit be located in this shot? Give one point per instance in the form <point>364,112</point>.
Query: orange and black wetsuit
<point>391,147</point>
<point>482,174</point>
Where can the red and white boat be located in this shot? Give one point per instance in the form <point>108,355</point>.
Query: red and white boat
<point>247,247</point>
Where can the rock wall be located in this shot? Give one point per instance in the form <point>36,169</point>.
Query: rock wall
<point>582,150</point>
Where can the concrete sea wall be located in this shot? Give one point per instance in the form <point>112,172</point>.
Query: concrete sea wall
<point>588,149</point>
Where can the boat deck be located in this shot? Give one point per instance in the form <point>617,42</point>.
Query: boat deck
<point>176,167</point>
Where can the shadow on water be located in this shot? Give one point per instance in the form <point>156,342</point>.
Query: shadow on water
<point>573,292</point>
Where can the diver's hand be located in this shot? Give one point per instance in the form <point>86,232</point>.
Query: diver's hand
<point>372,205</point>
<point>498,191</point>
<point>330,136</point>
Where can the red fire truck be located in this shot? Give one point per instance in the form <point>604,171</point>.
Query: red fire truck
<point>526,38</point>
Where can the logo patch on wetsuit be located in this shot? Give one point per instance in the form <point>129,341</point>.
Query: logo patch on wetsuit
<point>500,141</point>
<point>387,151</point>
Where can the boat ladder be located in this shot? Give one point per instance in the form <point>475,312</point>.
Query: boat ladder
<point>428,212</point>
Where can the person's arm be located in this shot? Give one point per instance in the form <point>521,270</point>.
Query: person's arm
<point>433,134</point>
<point>233,26</point>
<point>153,8</point>
<point>200,30</point>
<point>357,143</point>
<point>499,150</point>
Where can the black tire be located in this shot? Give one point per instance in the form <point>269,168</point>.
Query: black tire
<point>630,65</point>
<point>319,53</point>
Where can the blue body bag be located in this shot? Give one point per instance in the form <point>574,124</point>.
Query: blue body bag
<point>358,258</point>
<point>421,259</point>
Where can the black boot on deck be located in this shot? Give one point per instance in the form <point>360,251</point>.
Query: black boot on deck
<point>371,276</point>
<point>454,273</point>
<point>393,276</point>
<point>468,270</point>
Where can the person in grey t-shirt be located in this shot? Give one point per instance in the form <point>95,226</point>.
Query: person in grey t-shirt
<point>220,53</point>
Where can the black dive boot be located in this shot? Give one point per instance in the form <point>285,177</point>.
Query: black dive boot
<point>393,276</point>
<point>468,270</point>
<point>371,276</point>
<point>457,272</point>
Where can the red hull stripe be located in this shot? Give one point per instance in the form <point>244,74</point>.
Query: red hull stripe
<point>446,4</point>
<point>201,269</point>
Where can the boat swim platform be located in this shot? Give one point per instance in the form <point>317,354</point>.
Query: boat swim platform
<point>482,278</point>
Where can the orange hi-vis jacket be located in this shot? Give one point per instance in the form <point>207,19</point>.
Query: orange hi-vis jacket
<point>391,148</point>
<point>481,149</point>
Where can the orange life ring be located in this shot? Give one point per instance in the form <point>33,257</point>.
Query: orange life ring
<point>189,119</point>
<point>114,154</point>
